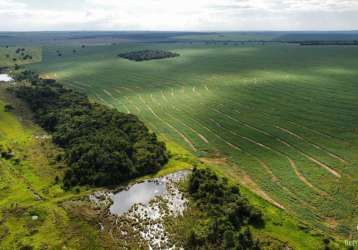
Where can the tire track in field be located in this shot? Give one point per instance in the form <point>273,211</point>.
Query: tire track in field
<point>154,100</point>
<point>311,158</point>
<point>304,127</point>
<point>317,132</point>
<point>125,88</point>
<point>86,85</point>
<point>190,128</point>
<point>75,86</point>
<point>133,104</point>
<point>127,98</point>
<point>222,139</point>
<point>116,100</point>
<point>304,180</point>
<point>241,122</point>
<point>121,103</point>
<point>101,99</point>
<point>195,91</point>
<point>326,119</point>
<point>163,96</point>
<point>291,161</point>
<point>267,169</point>
<point>189,142</point>
<point>247,181</point>
<point>313,144</point>
<point>108,93</point>
<point>262,163</point>
<point>319,163</point>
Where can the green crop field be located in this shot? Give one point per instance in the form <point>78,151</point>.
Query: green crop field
<point>284,117</point>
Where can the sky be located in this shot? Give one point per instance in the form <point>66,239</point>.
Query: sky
<point>178,15</point>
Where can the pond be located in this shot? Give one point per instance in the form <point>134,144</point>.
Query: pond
<point>144,192</point>
<point>139,193</point>
<point>5,78</point>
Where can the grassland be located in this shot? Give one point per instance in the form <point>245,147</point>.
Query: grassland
<point>8,54</point>
<point>284,117</point>
<point>31,212</point>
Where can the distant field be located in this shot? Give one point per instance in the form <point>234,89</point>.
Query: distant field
<point>7,56</point>
<point>272,36</point>
<point>232,36</point>
<point>284,116</point>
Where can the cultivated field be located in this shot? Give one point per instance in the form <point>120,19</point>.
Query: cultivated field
<point>280,119</point>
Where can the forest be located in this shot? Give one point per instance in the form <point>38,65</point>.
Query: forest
<point>228,215</point>
<point>102,146</point>
<point>145,55</point>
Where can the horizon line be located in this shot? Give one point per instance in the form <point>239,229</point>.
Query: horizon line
<point>180,31</point>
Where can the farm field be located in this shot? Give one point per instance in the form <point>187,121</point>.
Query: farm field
<point>9,57</point>
<point>283,118</point>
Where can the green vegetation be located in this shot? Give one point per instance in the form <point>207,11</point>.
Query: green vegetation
<point>231,36</point>
<point>35,211</point>
<point>31,215</point>
<point>102,146</point>
<point>279,120</point>
<point>283,116</point>
<point>227,212</point>
<point>10,56</point>
<point>342,43</point>
<point>146,55</point>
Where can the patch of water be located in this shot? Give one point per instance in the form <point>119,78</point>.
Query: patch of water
<point>138,193</point>
<point>5,78</point>
<point>144,192</point>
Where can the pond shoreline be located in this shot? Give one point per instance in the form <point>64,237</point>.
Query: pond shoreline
<point>145,220</point>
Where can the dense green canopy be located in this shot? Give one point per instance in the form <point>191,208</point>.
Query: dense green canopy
<point>227,214</point>
<point>145,55</point>
<point>102,146</point>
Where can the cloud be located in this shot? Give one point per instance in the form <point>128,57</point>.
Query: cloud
<point>178,14</point>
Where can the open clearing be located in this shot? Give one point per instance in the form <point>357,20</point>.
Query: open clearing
<point>284,115</point>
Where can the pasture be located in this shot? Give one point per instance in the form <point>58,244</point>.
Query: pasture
<point>281,120</point>
<point>9,56</point>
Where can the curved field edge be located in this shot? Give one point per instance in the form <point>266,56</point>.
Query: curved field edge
<point>56,228</point>
<point>279,225</point>
<point>276,121</point>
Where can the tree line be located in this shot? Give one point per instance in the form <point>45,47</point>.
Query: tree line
<point>228,215</point>
<point>102,146</point>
